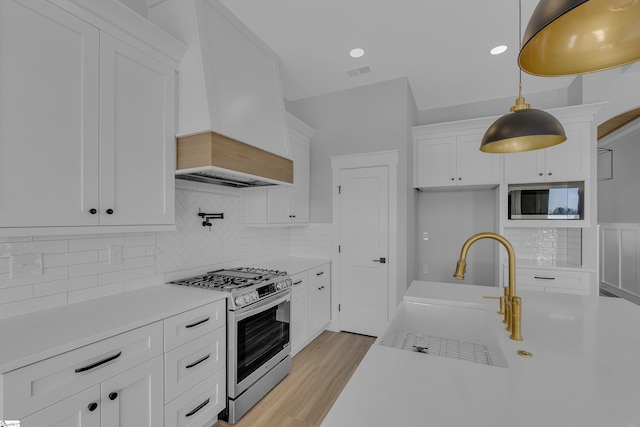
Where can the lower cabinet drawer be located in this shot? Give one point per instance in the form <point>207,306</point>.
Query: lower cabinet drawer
<point>198,407</point>
<point>192,324</point>
<point>29,389</point>
<point>547,280</point>
<point>188,364</point>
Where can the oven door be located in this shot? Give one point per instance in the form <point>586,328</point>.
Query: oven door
<point>258,340</point>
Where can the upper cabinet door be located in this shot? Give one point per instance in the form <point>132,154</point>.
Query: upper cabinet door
<point>568,161</point>
<point>474,167</point>
<point>48,116</point>
<point>436,162</point>
<point>299,194</point>
<point>137,142</point>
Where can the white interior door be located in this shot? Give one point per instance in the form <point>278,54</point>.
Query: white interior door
<point>364,249</point>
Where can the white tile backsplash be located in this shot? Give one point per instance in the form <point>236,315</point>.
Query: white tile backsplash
<point>77,268</point>
<point>547,246</point>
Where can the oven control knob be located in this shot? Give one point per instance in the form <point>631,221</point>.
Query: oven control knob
<point>255,296</point>
<point>239,300</point>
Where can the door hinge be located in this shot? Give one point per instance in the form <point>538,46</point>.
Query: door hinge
<point>339,189</point>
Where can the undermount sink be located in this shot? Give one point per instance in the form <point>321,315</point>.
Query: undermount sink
<point>451,331</point>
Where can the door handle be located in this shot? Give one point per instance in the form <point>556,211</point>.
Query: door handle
<point>380,260</point>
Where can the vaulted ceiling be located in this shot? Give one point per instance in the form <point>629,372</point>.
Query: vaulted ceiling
<point>442,47</point>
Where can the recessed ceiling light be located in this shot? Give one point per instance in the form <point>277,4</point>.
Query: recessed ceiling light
<point>498,50</point>
<point>356,53</point>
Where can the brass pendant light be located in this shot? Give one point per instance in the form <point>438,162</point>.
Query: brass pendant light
<point>567,37</point>
<point>524,128</point>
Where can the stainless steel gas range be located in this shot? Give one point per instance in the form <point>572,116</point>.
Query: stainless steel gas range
<point>258,344</point>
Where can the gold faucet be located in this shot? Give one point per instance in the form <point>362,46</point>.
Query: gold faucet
<point>512,303</point>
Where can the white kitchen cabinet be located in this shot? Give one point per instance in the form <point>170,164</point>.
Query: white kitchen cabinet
<point>137,137</point>
<point>310,305</point>
<point>284,204</point>
<point>109,362</point>
<point>195,366</point>
<point>128,364</point>
<point>229,81</point>
<point>550,280</point>
<point>49,71</point>
<point>79,410</point>
<point>568,161</point>
<point>454,160</point>
<point>319,298</point>
<point>299,311</point>
<point>88,122</point>
<point>134,398</point>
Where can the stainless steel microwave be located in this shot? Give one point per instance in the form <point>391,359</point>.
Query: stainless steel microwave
<point>552,201</point>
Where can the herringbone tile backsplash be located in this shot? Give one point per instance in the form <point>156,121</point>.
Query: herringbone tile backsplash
<point>193,246</point>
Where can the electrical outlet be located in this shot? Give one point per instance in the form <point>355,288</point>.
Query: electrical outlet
<point>26,265</point>
<point>115,254</point>
<point>425,269</point>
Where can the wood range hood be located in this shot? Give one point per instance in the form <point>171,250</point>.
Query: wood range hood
<point>216,159</point>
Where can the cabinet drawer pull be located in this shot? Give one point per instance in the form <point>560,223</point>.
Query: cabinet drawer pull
<point>113,395</point>
<point>102,362</point>
<point>320,274</point>
<point>200,406</point>
<point>93,211</point>
<point>193,325</point>
<point>297,283</point>
<point>544,278</point>
<point>199,361</point>
<point>92,406</point>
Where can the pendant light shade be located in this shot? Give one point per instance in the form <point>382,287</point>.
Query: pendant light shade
<point>524,129</point>
<point>567,37</point>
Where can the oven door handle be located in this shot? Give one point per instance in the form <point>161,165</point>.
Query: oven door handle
<point>266,304</point>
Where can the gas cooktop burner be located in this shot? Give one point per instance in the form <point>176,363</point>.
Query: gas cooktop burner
<point>246,285</point>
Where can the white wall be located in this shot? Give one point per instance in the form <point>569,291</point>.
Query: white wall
<point>450,218</point>
<point>618,199</point>
<point>368,119</point>
<point>362,120</point>
<point>618,86</point>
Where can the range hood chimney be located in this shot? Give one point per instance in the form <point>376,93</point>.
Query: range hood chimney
<point>216,159</point>
<point>231,117</point>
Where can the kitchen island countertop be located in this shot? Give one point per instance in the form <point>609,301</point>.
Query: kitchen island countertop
<point>585,369</point>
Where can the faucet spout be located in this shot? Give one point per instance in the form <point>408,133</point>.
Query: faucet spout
<point>513,303</point>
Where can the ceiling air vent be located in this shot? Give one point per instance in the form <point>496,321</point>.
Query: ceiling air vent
<point>359,71</point>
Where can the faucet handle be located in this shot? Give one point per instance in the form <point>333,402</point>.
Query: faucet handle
<point>502,302</point>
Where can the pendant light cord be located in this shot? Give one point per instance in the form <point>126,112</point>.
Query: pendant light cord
<point>519,40</point>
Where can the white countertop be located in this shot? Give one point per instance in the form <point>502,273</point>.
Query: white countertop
<point>585,370</point>
<point>32,337</point>
<point>293,265</point>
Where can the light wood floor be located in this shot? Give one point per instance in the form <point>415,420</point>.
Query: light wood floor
<point>318,375</point>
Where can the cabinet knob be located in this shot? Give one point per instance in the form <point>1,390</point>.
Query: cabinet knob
<point>92,406</point>
<point>109,211</point>
<point>93,211</point>
<point>459,178</point>
<point>453,179</point>
<point>550,173</point>
<point>113,395</point>
<point>540,174</point>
